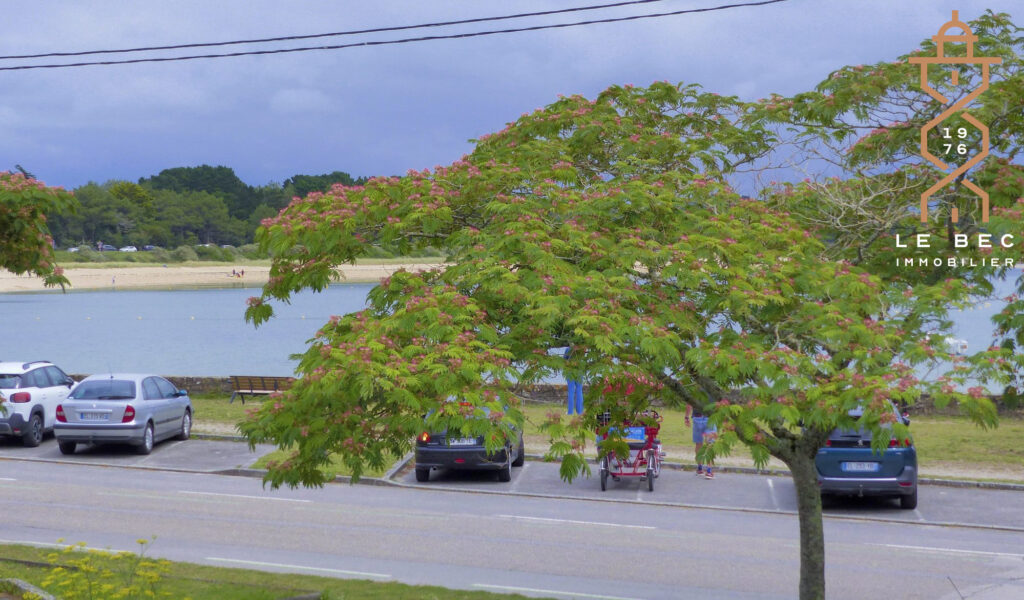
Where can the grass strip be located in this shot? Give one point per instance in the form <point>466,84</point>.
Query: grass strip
<point>202,582</point>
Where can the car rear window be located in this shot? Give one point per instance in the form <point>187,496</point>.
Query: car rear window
<point>9,382</point>
<point>110,389</point>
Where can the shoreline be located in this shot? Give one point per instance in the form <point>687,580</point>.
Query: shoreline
<point>159,277</point>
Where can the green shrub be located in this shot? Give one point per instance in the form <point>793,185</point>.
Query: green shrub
<point>84,574</point>
<point>160,255</point>
<point>251,251</point>
<point>184,253</point>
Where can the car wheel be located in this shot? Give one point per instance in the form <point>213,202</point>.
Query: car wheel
<point>650,479</point>
<point>909,502</point>
<point>521,458</point>
<point>186,426</point>
<point>505,474</point>
<point>67,447</point>
<point>422,475</point>
<point>147,441</point>
<point>33,435</point>
<point>604,474</point>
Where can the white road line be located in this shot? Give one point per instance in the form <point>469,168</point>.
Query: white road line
<point>572,522</point>
<point>771,492</point>
<point>952,550</point>
<point>551,592</point>
<point>243,496</point>
<point>515,484</point>
<point>7,479</point>
<point>284,566</point>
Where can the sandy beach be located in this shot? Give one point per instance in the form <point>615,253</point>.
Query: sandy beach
<point>182,277</point>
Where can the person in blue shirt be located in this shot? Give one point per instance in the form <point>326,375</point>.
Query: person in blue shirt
<point>702,433</point>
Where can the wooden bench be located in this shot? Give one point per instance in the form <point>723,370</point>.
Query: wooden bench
<point>257,385</point>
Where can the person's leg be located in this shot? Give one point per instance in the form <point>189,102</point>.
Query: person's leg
<point>573,386</point>
<point>710,433</point>
<point>579,397</point>
<point>699,424</point>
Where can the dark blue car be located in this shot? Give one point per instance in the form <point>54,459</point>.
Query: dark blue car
<point>438,450</point>
<point>847,466</point>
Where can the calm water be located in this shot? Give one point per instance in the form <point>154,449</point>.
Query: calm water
<point>204,333</point>
<point>186,332</point>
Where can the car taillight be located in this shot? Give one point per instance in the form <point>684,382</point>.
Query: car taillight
<point>424,438</point>
<point>895,443</point>
<point>61,418</point>
<point>129,414</point>
<point>21,397</point>
<point>828,443</point>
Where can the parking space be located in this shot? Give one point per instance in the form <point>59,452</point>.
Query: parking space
<point>735,491</point>
<point>193,455</point>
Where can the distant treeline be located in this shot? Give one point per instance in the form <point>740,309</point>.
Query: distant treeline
<point>185,206</point>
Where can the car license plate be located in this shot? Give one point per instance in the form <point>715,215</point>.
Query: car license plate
<point>860,467</point>
<point>463,442</point>
<point>91,416</point>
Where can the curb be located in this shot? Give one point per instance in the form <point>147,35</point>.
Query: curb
<point>218,437</point>
<point>25,587</point>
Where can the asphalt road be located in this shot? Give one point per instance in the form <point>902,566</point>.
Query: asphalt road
<point>690,538</point>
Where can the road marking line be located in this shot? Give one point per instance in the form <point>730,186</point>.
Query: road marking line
<point>546,520</point>
<point>284,566</point>
<point>771,492</point>
<point>952,550</point>
<point>244,496</point>
<point>515,484</point>
<point>7,479</point>
<point>555,592</point>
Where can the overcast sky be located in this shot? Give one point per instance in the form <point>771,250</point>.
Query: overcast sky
<point>387,109</point>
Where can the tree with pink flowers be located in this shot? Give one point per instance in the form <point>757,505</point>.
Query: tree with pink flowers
<point>25,242</point>
<point>606,225</point>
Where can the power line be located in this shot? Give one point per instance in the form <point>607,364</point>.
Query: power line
<point>390,42</point>
<point>334,34</point>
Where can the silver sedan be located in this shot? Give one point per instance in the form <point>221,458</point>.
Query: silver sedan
<point>127,408</point>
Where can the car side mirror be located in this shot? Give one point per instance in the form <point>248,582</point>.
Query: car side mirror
<point>180,393</point>
<point>69,382</point>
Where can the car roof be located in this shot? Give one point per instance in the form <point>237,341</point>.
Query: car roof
<point>19,367</point>
<point>120,376</point>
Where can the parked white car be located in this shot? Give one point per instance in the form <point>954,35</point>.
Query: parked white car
<point>129,249</point>
<point>29,395</point>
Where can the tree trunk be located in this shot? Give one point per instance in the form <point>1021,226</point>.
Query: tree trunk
<point>812,533</point>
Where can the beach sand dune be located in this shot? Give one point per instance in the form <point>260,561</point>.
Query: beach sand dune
<point>181,277</point>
